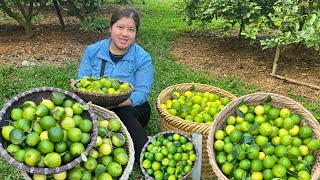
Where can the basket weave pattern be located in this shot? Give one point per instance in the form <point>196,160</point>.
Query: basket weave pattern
<point>36,95</point>
<point>166,134</point>
<point>170,122</point>
<point>105,114</point>
<point>102,99</point>
<point>278,101</point>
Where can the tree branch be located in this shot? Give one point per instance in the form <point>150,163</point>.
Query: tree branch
<point>6,9</point>
<point>296,81</point>
<point>20,7</point>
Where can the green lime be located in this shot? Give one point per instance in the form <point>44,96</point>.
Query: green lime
<point>32,139</point>
<point>55,134</point>
<point>16,136</point>
<point>46,146</point>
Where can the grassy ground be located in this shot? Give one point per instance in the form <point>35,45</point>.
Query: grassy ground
<point>157,31</point>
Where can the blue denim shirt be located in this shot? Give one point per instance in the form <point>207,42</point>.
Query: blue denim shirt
<point>135,67</point>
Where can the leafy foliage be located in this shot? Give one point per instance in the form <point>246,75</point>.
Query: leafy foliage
<point>289,21</point>
<point>233,13</point>
<point>84,10</point>
<point>97,24</point>
<point>293,22</point>
<point>23,11</point>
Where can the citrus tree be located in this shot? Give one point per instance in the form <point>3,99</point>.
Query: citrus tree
<point>233,13</point>
<point>23,11</point>
<point>84,10</point>
<point>286,22</point>
<point>292,22</point>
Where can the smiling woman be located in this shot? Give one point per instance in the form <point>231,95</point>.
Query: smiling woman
<point>121,58</point>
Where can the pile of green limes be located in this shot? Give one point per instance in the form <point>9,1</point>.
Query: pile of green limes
<point>195,106</point>
<point>102,85</point>
<point>49,134</point>
<point>169,157</point>
<point>265,142</point>
<point>106,161</point>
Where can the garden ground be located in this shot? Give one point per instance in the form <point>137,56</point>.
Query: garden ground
<point>208,53</point>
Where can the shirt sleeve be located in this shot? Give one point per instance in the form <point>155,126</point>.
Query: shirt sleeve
<point>85,65</point>
<point>144,78</point>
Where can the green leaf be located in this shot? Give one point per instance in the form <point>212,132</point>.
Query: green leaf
<point>244,175</point>
<point>100,169</point>
<point>254,126</point>
<point>311,19</point>
<point>269,99</point>
<point>292,173</point>
<point>153,141</point>
<point>248,139</point>
<point>25,105</point>
<point>58,95</point>
<point>120,136</point>
<point>266,145</point>
<point>85,106</point>
<point>193,88</point>
<point>240,113</point>
<point>84,157</point>
<point>174,96</point>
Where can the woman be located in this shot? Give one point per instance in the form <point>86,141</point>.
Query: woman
<point>120,57</point>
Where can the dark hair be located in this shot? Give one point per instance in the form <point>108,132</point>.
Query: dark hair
<point>128,13</point>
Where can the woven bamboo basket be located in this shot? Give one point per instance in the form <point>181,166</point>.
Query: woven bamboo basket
<point>102,99</point>
<point>36,95</point>
<point>166,134</point>
<point>170,122</point>
<point>278,101</point>
<point>105,114</point>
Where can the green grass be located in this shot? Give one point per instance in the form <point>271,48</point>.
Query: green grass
<point>160,26</point>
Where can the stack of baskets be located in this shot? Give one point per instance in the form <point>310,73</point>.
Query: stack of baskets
<point>105,114</point>
<point>102,99</point>
<point>278,101</point>
<point>169,122</point>
<point>36,95</point>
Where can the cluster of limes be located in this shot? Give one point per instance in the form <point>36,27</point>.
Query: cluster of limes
<point>49,134</point>
<point>170,157</point>
<point>102,85</point>
<point>105,161</point>
<point>265,142</point>
<point>193,106</point>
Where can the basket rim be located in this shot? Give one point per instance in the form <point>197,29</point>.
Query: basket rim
<point>178,119</point>
<point>76,90</point>
<point>129,165</point>
<point>165,133</point>
<point>233,104</point>
<point>46,170</point>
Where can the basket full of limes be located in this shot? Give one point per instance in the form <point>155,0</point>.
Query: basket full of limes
<point>265,136</point>
<point>46,130</point>
<point>192,107</point>
<point>168,155</point>
<point>102,91</point>
<point>112,156</point>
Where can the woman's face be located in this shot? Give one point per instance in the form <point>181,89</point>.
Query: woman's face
<point>123,33</point>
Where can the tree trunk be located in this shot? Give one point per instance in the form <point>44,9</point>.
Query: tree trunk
<point>275,61</point>
<point>240,30</point>
<point>28,28</point>
<point>56,5</point>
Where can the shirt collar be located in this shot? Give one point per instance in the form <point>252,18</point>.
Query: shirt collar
<point>103,52</point>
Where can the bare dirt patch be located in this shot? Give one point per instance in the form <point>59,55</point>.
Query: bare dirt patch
<point>229,56</point>
<point>204,52</point>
